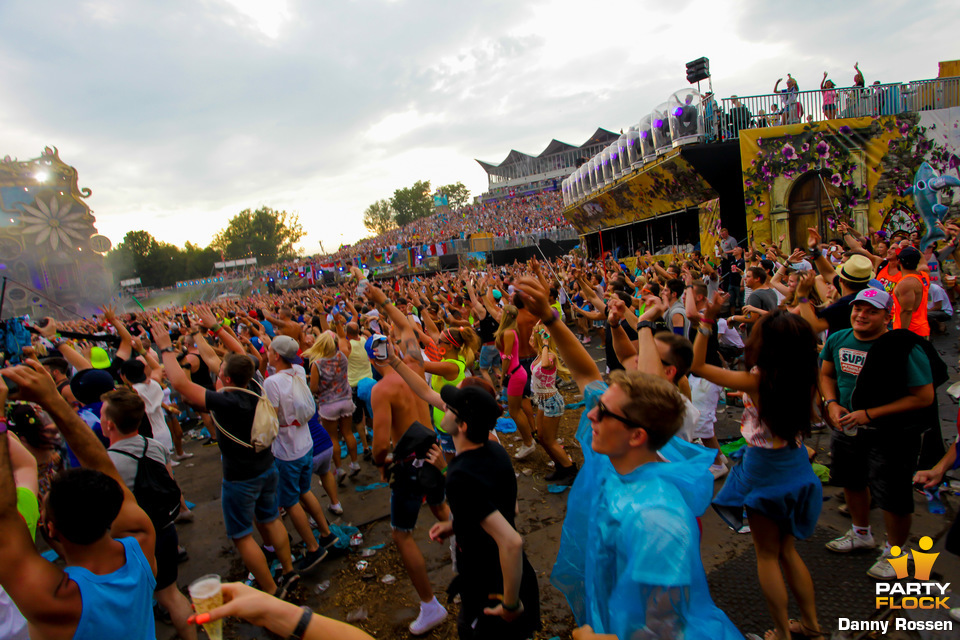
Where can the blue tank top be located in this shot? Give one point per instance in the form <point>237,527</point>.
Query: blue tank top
<point>118,605</point>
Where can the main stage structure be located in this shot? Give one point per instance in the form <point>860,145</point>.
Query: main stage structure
<point>51,256</point>
<point>885,158</point>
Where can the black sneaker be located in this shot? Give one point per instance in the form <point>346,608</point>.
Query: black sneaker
<point>210,442</point>
<point>312,559</point>
<point>285,583</point>
<point>329,540</point>
<point>563,473</point>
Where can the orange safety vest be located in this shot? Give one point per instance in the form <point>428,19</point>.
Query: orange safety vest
<point>918,322</point>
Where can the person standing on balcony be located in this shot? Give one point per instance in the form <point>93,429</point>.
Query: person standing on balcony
<point>791,108</point>
<point>829,97</point>
<point>740,117</point>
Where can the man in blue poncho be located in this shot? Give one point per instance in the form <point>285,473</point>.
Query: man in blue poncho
<point>629,561</point>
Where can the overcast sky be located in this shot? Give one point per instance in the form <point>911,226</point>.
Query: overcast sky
<point>180,113</point>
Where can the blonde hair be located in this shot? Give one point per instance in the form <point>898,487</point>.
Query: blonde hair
<point>653,402</point>
<point>508,322</point>
<point>465,340</point>
<point>562,370</point>
<point>323,347</point>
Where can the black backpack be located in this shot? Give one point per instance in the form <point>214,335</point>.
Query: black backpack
<point>156,491</point>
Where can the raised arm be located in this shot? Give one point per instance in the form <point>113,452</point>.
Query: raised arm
<point>823,264</point>
<point>126,340</point>
<point>36,385</point>
<point>408,339</point>
<point>582,367</point>
<point>740,380</point>
<point>191,391</point>
<point>229,341</point>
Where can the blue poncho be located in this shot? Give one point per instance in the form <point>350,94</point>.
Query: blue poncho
<point>629,561</point>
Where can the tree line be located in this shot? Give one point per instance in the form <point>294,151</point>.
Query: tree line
<point>411,203</point>
<point>265,234</point>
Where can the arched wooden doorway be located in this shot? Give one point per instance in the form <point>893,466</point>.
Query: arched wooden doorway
<point>810,205</point>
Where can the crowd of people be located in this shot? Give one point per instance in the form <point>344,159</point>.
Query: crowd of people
<point>500,218</point>
<point>831,336</point>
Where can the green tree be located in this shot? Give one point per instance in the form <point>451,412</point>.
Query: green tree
<point>457,194</point>
<point>267,234</point>
<point>412,203</point>
<point>378,217</point>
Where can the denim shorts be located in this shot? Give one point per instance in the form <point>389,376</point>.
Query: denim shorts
<point>244,500</point>
<point>552,406</point>
<point>295,476</point>
<point>489,357</point>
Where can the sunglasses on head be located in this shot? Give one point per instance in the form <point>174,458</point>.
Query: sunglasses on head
<point>603,411</point>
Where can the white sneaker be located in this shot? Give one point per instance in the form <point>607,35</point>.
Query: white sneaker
<point>174,463</point>
<point>185,456</point>
<point>850,542</point>
<point>335,508</point>
<point>354,469</point>
<point>524,451</point>
<point>719,470</point>
<point>882,569</point>
<point>432,614</point>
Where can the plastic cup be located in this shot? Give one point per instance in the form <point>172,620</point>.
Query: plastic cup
<point>206,596</point>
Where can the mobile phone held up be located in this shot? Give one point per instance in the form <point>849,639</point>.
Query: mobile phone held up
<point>379,346</point>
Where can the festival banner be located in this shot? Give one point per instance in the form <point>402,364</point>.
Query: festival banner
<point>709,228</point>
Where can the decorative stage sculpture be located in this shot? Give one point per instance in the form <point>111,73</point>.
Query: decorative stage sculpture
<point>50,251</point>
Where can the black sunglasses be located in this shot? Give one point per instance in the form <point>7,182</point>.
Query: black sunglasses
<point>603,411</point>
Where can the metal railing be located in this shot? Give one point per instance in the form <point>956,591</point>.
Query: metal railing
<point>775,109</point>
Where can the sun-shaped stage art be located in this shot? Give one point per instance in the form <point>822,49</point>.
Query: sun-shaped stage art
<point>55,223</point>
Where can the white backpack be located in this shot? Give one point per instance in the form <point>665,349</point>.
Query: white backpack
<point>266,424</point>
<point>299,402</point>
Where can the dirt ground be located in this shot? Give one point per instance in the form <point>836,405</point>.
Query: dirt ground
<point>389,608</point>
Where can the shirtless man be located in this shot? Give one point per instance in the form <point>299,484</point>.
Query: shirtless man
<point>286,324</point>
<point>395,410</point>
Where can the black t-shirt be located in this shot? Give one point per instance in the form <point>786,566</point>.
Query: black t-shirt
<point>234,411</point>
<point>731,279</point>
<point>479,482</point>
<point>837,314</point>
<point>612,362</point>
<point>486,328</point>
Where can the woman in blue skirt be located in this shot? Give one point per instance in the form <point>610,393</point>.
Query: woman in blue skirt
<point>775,482</point>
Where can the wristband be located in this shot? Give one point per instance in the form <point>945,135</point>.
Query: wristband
<point>705,331</point>
<point>301,627</point>
<point>827,403</point>
<point>646,324</point>
<point>867,413</point>
<point>511,608</point>
<point>3,426</point>
<point>804,300</point>
<point>706,320</point>
<point>168,350</point>
<point>549,322</point>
